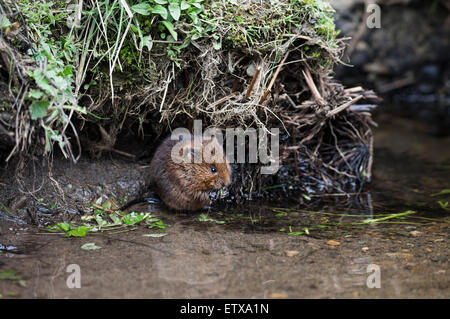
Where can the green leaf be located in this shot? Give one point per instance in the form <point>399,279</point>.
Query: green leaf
<point>60,82</point>
<point>133,218</point>
<point>9,274</point>
<point>170,28</point>
<point>142,8</point>
<point>35,94</point>
<point>184,5</point>
<point>160,1</point>
<point>5,22</point>
<point>146,41</point>
<point>100,221</point>
<point>158,9</point>
<point>38,109</point>
<point>63,226</point>
<point>158,224</point>
<point>217,45</point>
<point>116,220</point>
<point>195,11</point>
<point>90,246</point>
<point>155,235</point>
<point>67,70</point>
<point>175,11</point>
<point>79,231</point>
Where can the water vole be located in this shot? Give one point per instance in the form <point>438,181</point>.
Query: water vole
<point>185,171</point>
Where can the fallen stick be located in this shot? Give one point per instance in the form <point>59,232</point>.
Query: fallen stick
<point>344,106</point>
<point>222,100</point>
<point>312,87</point>
<point>252,83</point>
<point>275,75</point>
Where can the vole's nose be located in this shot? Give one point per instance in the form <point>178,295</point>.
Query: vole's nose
<point>227,180</point>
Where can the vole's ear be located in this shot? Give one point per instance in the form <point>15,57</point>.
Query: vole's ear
<point>190,154</point>
<point>186,150</point>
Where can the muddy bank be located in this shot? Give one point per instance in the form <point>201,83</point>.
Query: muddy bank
<point>253,250</point>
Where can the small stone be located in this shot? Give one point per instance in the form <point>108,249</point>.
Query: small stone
<point>278,295</point>
<point>291,253</point>
<point>251,69</point>
<point>333,243</point>
<point>365,248</point>
<point>415,233</point>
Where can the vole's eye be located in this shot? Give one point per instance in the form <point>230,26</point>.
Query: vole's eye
<point>213,169</point>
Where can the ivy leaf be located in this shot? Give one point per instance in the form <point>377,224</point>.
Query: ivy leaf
<point>38,109</point>
<point>5,22</point>
<point>160,1</point>
<point>184,5</point>
<point>133,218</point>
<point>171,29</point>
<point>79,231</point>
<point>142,8</point>
<point>146,41</point>
<point>63,226</point>
<point>175,11</point>
<point>158,9</point>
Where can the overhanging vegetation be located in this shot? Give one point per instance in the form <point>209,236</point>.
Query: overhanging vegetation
<point>159,64</point>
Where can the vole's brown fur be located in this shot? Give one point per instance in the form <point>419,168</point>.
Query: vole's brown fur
<point>186,185</point>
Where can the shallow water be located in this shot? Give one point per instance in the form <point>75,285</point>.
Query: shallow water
<point>255,250</point>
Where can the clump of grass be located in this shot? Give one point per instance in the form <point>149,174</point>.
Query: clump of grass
<point>335,220</point>
<point>103,219</point>
<point>12,275</point>
<point>74,48</point>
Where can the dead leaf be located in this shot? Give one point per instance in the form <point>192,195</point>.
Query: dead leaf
<point>333,243</point>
